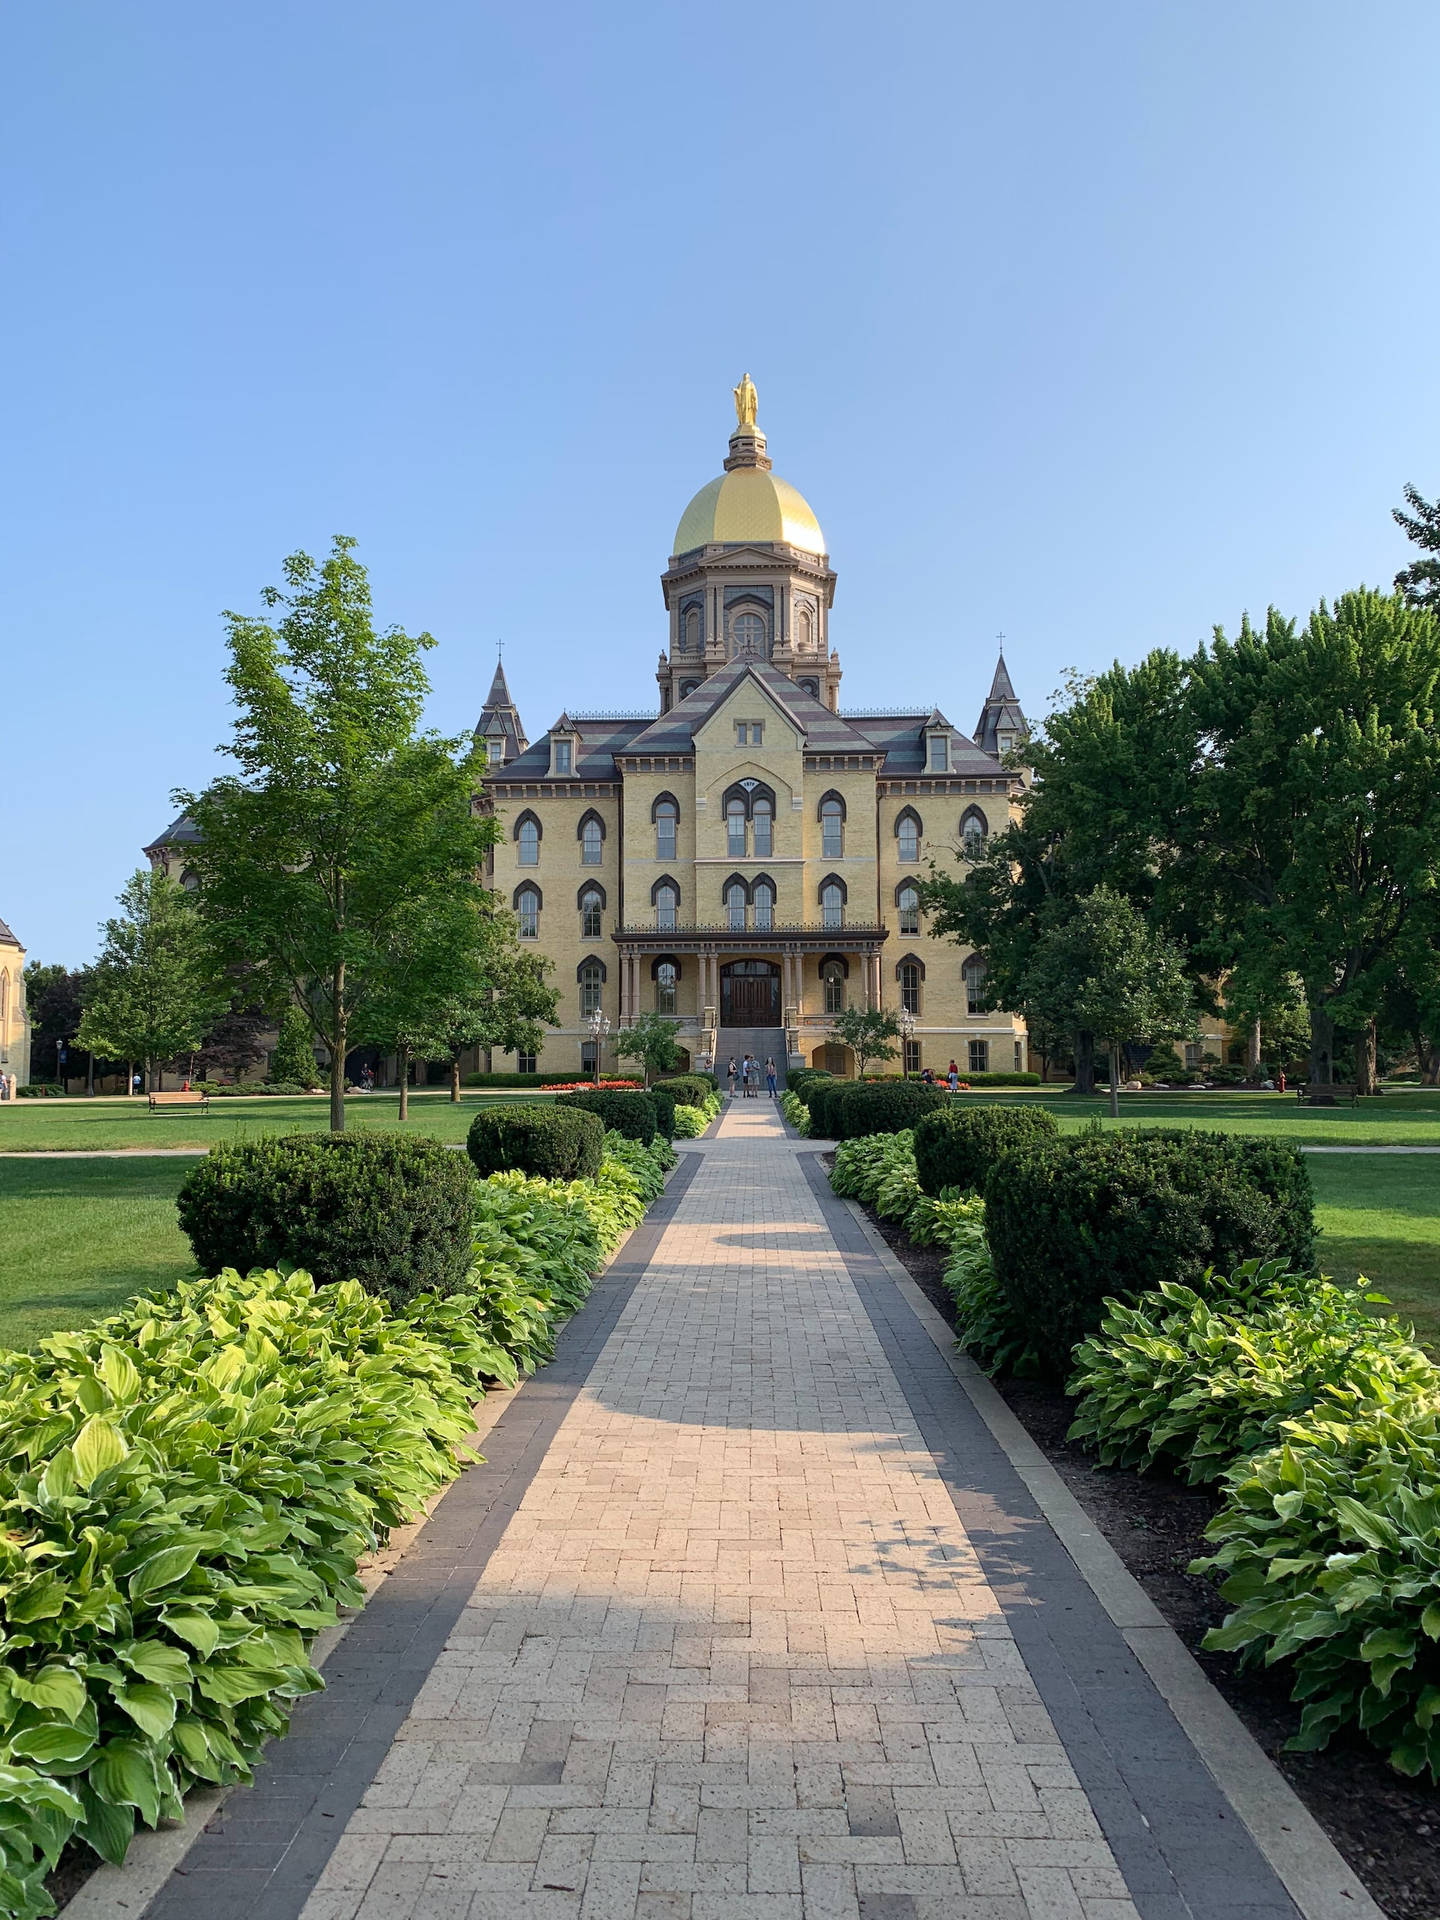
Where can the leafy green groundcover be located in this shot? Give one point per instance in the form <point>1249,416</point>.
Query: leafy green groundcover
<point>187,1487</point>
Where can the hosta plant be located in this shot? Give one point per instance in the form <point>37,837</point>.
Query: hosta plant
<point>1192,1379</point>
<point>1329,1546</point>
<point>864,1164</point>
<point>986,1323</point>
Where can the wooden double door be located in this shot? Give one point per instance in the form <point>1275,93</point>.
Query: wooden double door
<point>750,994</point>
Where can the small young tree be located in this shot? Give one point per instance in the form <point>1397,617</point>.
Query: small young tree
<point>293,1060</point>
<point>651,1041</point>
<point>152,993</point>
<point>343,824</point>
<point>1105,971</point>
<point>869,1034</point>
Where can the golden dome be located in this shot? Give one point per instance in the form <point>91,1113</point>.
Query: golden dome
<point>749,504</point>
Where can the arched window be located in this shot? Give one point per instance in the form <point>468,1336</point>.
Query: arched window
<point>666,815</point>
<point>692,631</point>
<point>832,904</point>
<point>762,896</point>
<point>974,831</point>
<point>804,628</point>
<point>591,975</point>
<point>907,899</point>
<point>527,840</point>
<point>812,687</point>
<point>910,973</point>
<point>592,840</point>
<point>687,687</point>
<point>747,633</point>
<point>527,907</point>
<point>763,815</point>
<point>832,827</point>
<point>666,896</point>
<point>4,999</point>
<point>667,973</point>
<point>735,906</point>
<point>735,828</point>
<point>977,997</point>
<point>592,907</point>
<point>832,972</point>
<point>907,835</point>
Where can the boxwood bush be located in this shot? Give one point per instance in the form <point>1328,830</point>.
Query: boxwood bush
<point>882,1106</point>
<point>821,1097</point>
<point>389,1211</point>
<point>957,1146</point>
<point>1071,1222</point>
<point>555,1142</point>
<point>689,1089</point>
<point>632,1114</point>
<point>664,1103</point>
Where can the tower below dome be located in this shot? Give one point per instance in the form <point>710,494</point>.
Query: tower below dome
<point>749,576</point>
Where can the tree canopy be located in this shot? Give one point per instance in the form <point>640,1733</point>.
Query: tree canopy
<point>153,993</point>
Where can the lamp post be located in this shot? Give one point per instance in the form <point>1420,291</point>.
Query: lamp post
<point>906,1021</point>
<point>599,1027</point>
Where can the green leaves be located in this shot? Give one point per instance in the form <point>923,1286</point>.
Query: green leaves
<point>98,1446</point>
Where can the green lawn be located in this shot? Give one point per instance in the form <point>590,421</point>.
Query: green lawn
<point>1397,1118</point>
<point>79,1236</point>
<point>1380,1216</point>
<point>102,1125</point>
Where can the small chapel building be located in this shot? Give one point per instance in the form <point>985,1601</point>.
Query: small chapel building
<point>746,859</point>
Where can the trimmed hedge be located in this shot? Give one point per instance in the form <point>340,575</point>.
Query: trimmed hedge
<point>822,1098</point>
<point>884,1106</point>
<point>958,1146</point>
<point>631,1114</point>
<point>689,1089</point>
<point>521,1079</point>
<point>1071,1222</point>
<point>1000,1079</point>
<point>664,1103</point>
<point>389,1211</point>
<point>552,1142</point>
<point>799,1079</point>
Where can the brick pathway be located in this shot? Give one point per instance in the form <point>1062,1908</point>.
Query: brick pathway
<point>735,1658</point>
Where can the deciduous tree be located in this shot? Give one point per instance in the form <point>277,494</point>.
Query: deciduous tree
<point>650,1039</point>
<point>869,1033</point>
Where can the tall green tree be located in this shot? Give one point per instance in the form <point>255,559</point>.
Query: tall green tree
<point>1419,583</point>
<point>1104,970</point>
<point>870,1034</point>
<point>344,821</point>
<point>55,997</point>
<point>154,992</point>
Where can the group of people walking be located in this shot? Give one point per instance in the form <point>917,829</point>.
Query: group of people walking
<point>748,1072</point>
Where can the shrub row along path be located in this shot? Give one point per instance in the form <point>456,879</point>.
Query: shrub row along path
<point>748,1618</point>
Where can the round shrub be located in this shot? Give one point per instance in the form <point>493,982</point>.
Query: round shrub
<point>882,1106</point>
<point>1072,1222</point>
<point>689,1089</point>
<point>380,1208</point>
<point>822,1098</point>
<point>554,1142</point>
<point>664,1103</point>
<point>957,1146</point>
<point>632,1114</point>
<point>799,1079</point>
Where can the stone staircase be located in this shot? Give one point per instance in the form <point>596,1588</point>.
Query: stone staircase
<point>762,1043</point>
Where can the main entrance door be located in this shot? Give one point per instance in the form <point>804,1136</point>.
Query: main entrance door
<point>750,994</point>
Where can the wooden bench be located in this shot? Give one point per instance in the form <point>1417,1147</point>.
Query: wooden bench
<point>1327,1093</point>
<point>161,1102</point>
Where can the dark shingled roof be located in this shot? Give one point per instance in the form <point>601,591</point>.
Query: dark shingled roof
<point>7,938</point>
<point>180,833</point>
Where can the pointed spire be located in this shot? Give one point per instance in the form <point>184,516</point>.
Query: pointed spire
<point>1001,687</point>
<point>1002,723</point>
<point>499,694</point>
<point>499,723</point>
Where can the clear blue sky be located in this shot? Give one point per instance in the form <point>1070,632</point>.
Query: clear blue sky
<point>1095,325</point>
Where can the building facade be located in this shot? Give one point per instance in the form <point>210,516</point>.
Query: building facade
<point>14,1016</point>
<point>746,859</point>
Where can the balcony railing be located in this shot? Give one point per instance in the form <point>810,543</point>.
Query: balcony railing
<point>777,930</point>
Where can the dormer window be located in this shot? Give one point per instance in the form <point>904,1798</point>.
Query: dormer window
<point>562,756</point>
<point>939,753</point>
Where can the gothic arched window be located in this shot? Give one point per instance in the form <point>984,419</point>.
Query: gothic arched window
<point>907,835</point>
<point>974,830</point>
<point>591,975</point>
<point>666,815</point>
<point>666,975</point>
<point>977,997</point>
<point>527,907</point>
<point>832,827</point>
<point>762,896</point>
<point>907,899</point>
<point>735,906</point>
<point>910,973</point>
<point>832,904</point>
<point>735,828</point>
<point>591,910</point>
<point>832,972</point>
<point>667,905</point>
<point>592,840</point>
<point>527,840</point>
<point>763,815</point>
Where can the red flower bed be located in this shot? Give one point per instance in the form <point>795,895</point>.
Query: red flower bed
<point>589,1086</point>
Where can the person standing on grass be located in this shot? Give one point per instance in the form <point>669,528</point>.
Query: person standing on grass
<point>731,1075</point>
<point>772,1080</point>
<point>952,1078</point>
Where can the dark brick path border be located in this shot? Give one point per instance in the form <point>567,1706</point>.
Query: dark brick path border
<point>260,1857</point>
<point>1183,1850</point>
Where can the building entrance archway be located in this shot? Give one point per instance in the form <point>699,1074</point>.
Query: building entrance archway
<point>750,994</point>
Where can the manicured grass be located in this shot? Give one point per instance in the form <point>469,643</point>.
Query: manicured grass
<point>77,1237</point>
<point>104,1125</point>
<point>1381,1217</point>
<point>1396,1118</point>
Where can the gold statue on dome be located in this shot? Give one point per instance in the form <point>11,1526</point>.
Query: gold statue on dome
<point>746,401</point>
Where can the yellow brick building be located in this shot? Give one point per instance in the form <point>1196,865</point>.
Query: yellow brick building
<point>746,859</point>
<point>14,1017</point>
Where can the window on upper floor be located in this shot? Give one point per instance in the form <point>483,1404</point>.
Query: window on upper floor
<point>909,986</point>
<point>527,907</point>
<point>735,908</point>
<point>974,831</point>
<point>592,843</point>
<point>907,837</point>
<point>832,907</point>
<point>763,898</point>
<point>687,687</point>
<point>908,902</point>
<point>939,753</point>
<point>590,916</point>
<point>763,817</point>
<point>592,986</point>
<point>735,829</point>
<point>977,996</point>
<point>667,817</point>
<point>667,908</point>
<point>747,633</point>
<point>690,639</point>
<point>832,830</point>
<point>563,749</point>
<point>527,842</point>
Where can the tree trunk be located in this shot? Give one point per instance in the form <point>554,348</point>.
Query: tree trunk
<point>129,1078</point>
<point>1366,1076</point>
<point>1252,1051</point>
<point>454,1079</point>
<point>1428,1057</point>
<point>1114,1083</point>
<point>90,1075</point>
<point>1322,1045</point>
<point>403,1055</point>
<point>1084,1063</point>
<point>337,1037</point>
<point>149,1072</point>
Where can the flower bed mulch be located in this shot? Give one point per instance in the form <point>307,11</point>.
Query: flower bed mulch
<point>1387,1827</point>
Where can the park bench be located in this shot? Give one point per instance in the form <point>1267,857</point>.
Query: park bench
<point>1327,1093</point>
<point>162,1102</point>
